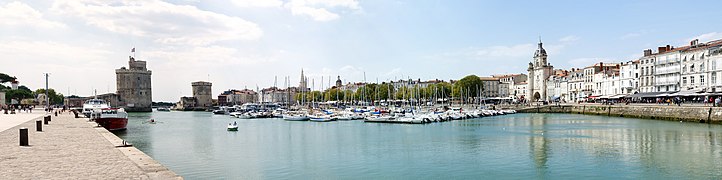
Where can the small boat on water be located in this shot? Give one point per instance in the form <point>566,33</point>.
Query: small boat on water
<point>233,127</point>
<point>112,119</point>
<point>163,109</point>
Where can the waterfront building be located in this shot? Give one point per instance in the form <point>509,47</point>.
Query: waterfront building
<point>237,97</point>
<point>277,95</point>
<point>186,103</point>
<point>646,69</point>
<point>667,70</point>
<point>507,82</point>
<point>575,84</point>
<point>489,87</point>
<point>134,86</point>
<point>202,93</point>
<point>714,54</point>
<point>539,70</point>
<point>557,86</point>
<point>629,76</point>
<point>519,90</point>
<point>695,69</point>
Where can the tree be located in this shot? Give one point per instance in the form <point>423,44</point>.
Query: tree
<point>6,78</point>
<point>467,86</point>
<point>18,94</point>
<point>55,98</point>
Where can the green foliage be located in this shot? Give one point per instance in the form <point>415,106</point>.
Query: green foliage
<point>6,78</point>
<point>468,86</point>
<point>21,93</point>
<point>55,98</point>
<point>334,94</point>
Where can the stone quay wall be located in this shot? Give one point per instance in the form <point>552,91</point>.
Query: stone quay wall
<point>73,148</point>
<point>675,113</point>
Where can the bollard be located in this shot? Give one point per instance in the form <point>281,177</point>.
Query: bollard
<point>39,125</point>
<point>24,137</point>
<point>56,113</point>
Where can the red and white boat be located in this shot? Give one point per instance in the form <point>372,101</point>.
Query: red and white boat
<point>112,119</point>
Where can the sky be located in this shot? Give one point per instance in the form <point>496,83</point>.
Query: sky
<point>238,44</point>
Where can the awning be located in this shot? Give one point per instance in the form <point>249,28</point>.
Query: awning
<point>644,95</point>
<point>617,96</point>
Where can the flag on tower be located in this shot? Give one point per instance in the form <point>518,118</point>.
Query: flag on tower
<point>132,50</point>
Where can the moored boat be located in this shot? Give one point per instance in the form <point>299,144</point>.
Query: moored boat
<point>112,119</point>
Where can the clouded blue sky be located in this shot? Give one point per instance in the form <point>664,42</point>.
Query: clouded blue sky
<point>246,43</point>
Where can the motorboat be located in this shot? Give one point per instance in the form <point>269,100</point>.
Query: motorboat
<point>163,109</point>
<point>92,105</point>
<point>233,127</point>
<point>112,119</point>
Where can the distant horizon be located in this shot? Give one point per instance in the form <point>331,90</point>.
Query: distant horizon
<point>246,43</point>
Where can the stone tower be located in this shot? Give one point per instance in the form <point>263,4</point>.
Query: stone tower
<point>134,87</point>
<point>539,71</point>
<point>338,82</point>
<point>202,93</point>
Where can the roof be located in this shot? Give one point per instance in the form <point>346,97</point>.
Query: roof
<point>489,78</point>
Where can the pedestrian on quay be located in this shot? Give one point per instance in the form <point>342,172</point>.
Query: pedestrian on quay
<point>717,101</point>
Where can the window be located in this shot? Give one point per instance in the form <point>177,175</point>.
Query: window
<point>692,58</point>
<point>691,80</point>
<point>714,78</point>
<point>702,56</point>
<point>691,68</point>
<point>684,81</point>
<point>701,79</point>
<point>684,69</point>
<point>701,67</point>
<point>714,65</point>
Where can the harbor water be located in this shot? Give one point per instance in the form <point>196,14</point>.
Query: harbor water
<point>196,145</point>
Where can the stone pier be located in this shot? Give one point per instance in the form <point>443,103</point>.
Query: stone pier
<point>70,148</point>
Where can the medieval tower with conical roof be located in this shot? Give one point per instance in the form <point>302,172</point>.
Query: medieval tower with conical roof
<point>539,71</point>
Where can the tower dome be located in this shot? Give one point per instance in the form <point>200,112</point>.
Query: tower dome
<point>540,50</point>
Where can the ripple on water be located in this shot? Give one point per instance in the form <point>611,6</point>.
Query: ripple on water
<point>519,146</point>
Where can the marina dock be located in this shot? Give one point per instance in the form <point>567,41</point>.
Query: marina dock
<point>71,148</point>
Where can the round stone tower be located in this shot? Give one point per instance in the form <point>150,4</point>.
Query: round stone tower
<point>202,93</point>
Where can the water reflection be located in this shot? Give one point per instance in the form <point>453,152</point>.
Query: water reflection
<point>521,146</point>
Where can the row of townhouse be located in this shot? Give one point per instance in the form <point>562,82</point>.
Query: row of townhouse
<point>689,71</point>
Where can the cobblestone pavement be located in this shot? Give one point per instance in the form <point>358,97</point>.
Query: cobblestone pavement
<point>70,148</point>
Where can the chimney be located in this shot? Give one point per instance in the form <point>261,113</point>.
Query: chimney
<point>661,49</point>
<point>647,52</point>
<point>669,47</point>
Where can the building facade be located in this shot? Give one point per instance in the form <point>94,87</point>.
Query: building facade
<point>539,70</point>
<point>202,93</point>
<point>134,86</point>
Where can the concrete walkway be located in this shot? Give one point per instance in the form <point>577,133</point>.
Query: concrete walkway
<point>70,148</point>
<point>11,120</point>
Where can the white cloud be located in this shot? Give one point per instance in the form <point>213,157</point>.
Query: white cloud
<point>163,22</point>
<point>257,3</point>
<point>318,10</point>
<point>708,37</point>
<point>49,52</point>
<point>17,13</point>
<point>570,38</point>
<point>318,14</point>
